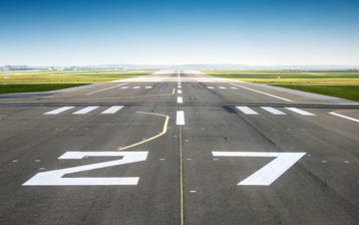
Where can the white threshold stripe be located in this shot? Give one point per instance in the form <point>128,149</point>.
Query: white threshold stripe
<point>85,110</point>
<point>263,93</point>
<point>59,110</point>
<point>179,100</point>
<point>180,118</point>
<point>112,109</point>
<point>344,117</point>
<point>300,111</point>
<point>273,111</point>
<point>179,91</point>
<point>246,110</point>
<point>105,89</point>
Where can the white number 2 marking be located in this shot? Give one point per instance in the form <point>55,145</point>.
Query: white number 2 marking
<point>270,172</point>
<point>55,177</point>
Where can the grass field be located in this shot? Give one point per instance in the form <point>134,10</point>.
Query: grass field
<point>37,81</point>
<point>344,84</point>
<point>22,88</point>
<point>26,77</point>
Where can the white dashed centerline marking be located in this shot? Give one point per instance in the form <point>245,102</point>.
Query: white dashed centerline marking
<point>85,110</point>
<point>148,87</point>
<point>222,88</point>
<point>210,87</point>
<point>59,110</point>
<point>246,110</point>
<point>300,111</point>
<point>344,117</point>
<point>179,91</point>
<point>112,110</point>
<point>273,111</point>
<point>179,100</point>
<point>180,118</point>
<point>136,87</point>
<point>124,87</point>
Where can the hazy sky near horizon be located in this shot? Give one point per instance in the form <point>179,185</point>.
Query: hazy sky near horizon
<point>255,32</point>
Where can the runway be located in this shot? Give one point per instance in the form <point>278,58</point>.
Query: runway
<point>178,148</point>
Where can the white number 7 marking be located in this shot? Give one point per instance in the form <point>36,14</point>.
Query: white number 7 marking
<point>270,172</point>
<point>55,177</point>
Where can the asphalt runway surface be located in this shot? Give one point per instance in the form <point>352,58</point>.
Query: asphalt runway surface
<point>178,148</point>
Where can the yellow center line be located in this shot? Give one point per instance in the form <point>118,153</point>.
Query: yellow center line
<point>164,131</point>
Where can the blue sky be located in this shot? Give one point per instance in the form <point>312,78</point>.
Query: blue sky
<point>253,32</point>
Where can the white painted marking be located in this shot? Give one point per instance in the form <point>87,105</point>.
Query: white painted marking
<point>59,110</point>
<point>179,87</point>
<point>112,110</point>
<point>270,172</point>
<point>210,87</point>
<point>179,100</point>
<point>193,191</point>
<point>179,91</point>
<point>136,87</point>
<point>222,88</point>
<point>148,87</point>
<point>85,110</point>
<point>234,88</point>
<point>55,177</point>
<point>247,110</point>
<point>105,89</point>
<point>344,117</point>
<point>263,93</point>
<point>124,87</point>
<point>273,111</point>
<point>300,111</point>
<point>180,118</point>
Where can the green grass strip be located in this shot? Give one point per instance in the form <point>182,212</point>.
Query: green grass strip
<point>22,88</point>
<point>349,92</point>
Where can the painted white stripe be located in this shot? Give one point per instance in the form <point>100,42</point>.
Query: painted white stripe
<point>112,110</point>
<point>179,100</point>
<point>136,87</point>
<point>300,111</point>
<point>85,110</point>
<point>180,118</point>
<point>273,111</point>
<point>105,89</point>
<point>59,110</point>
<point>247,110</point>
<point>179,87</point>
<point>222,88</point>
<point>148,87</point>
<point>344,117</point>
<point>179,91</point>
<point>263,93</point>
<point>234,88</point>
<point>210,87</point>
<point>124,87</point>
